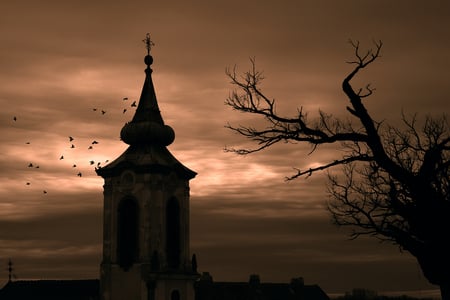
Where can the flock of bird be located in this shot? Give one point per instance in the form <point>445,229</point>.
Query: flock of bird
<point>72,145</point>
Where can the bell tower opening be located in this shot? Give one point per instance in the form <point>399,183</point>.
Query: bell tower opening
<point>127,233</point>
<point>175,295</point>
<point>173,245</point>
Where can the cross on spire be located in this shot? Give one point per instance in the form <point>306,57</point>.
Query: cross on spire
<point>148,43</point>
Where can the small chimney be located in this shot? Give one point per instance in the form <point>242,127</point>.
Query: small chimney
<point>297,285</point>
<point>297,282</point>
<point>254,280</point>
<point>206,277</point>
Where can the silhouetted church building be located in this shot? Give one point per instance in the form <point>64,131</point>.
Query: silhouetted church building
<point>146,253</point>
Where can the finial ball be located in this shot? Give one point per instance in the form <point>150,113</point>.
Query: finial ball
<point>148,60</point>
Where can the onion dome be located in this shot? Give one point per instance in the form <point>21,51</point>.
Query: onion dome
<point>147,136</point>
<point>147,126</point>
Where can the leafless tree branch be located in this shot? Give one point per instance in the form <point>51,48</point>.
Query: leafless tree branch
<point>395,180</point>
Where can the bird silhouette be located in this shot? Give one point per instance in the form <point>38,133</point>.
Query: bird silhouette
<point>74,166</point>
<point>37,167</point>
<point>124,110</point>
<point>133,104</point>
<point>44,191</point>
<point>27,143</point>
<point>125,98</point>
<point>94,142</point>
<point>28,183</point>
<point>62,157</point>
<point>70,138</point>
<point>94,109</point>
<point>73,146</point>
<point>79,174</point>
<point>15,118</point>
<point>30,165</point>
<point>92,162</point>
<point>90,147</point>
<point>103,112</point>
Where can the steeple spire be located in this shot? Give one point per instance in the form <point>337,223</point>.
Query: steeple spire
<point>147,125</point>
<point>147,135</point>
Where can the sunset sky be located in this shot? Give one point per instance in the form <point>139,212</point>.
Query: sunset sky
<point>60,60</point>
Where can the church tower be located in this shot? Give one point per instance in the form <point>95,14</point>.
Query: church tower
<point>146,211</point>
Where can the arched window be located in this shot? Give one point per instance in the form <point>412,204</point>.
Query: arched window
<point>127,233</point>
<point>173,248</point>
<point>175,295</point>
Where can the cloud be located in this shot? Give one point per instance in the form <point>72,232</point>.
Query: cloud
<point>46,245</point>
<point>281,246</point>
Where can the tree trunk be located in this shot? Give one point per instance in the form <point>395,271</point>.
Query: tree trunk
<point>445,291</point>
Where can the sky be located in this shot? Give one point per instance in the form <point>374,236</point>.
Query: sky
<point>60,60</point>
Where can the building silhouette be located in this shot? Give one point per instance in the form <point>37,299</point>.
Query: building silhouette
<point>146,253</point>
<point>146,211</point>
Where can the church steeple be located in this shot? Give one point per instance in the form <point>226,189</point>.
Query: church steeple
<point>147,133</point>
<point>146,210</point>
<point>147,125</point>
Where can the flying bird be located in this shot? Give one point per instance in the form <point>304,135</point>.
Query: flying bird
<point>27,143</point>
<point>79,174</point>
<point>73,146</point>
<point>70,138</point>
<point>15,118</point>
<point>94,142</point>
<point>37,167</point>
<point>133,104</point>
<point>90,147</point>
<point>44,191</point>
<point>125,98</point>
<point>94,109</point>
<point>92,162</point>
<point>124,110</point>
<point>62,157</point>
<point>103,112</point>
<point>28,183</point>
<point>30,165</point>
<point>74,166</point>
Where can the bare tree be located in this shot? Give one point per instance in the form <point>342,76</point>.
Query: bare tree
<point>395,182</point>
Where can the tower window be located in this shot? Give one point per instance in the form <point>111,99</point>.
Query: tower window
<point>175,295</point>
<point>173,248</point>
<point>127,233</point>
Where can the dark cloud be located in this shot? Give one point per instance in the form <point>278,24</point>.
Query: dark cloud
<point>49,244</point>
<point>234,245</point>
